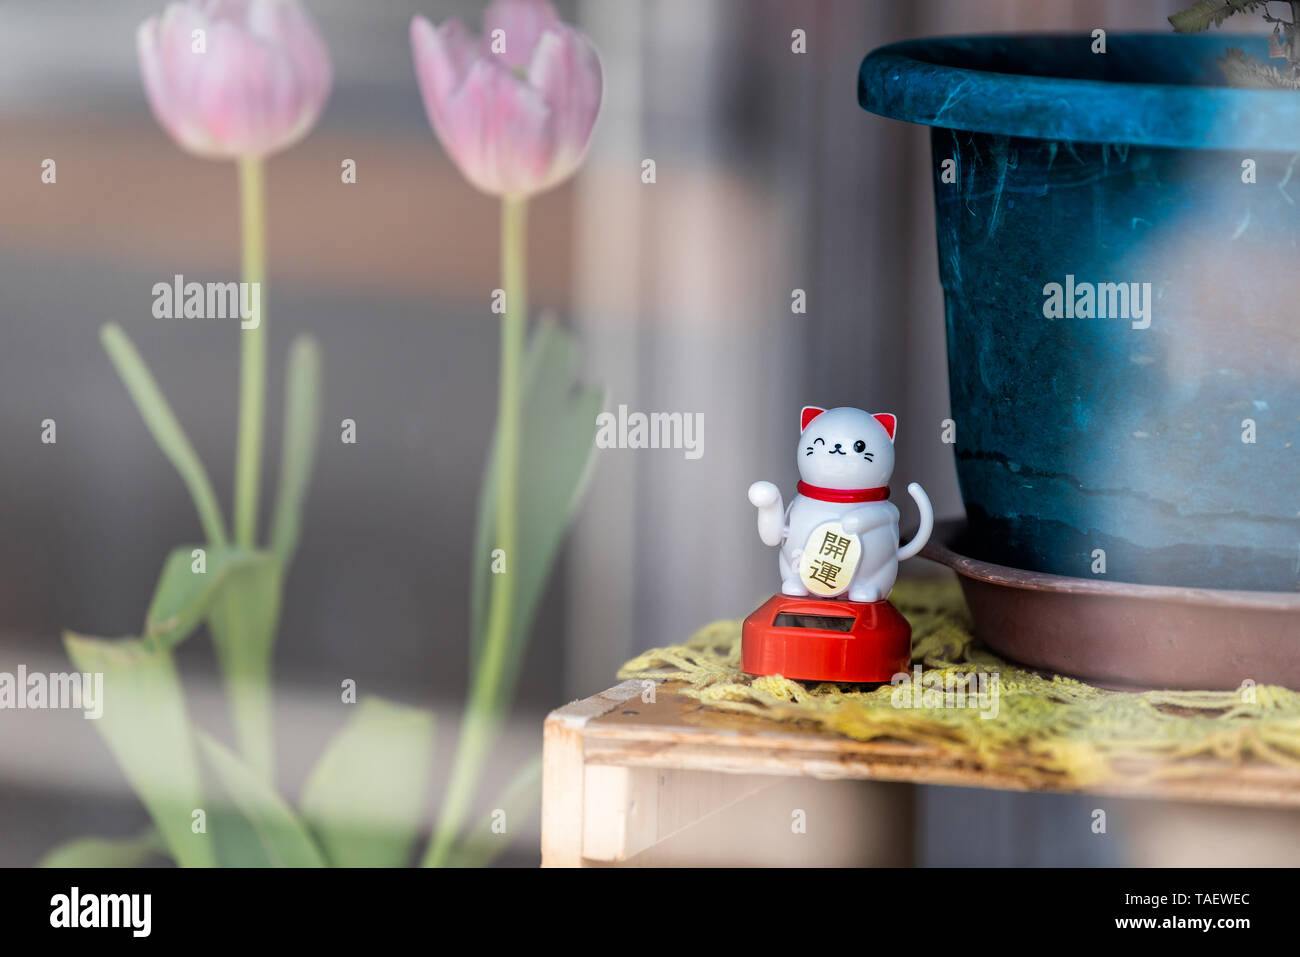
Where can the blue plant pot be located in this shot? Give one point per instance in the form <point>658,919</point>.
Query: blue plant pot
<point>1165,434</point>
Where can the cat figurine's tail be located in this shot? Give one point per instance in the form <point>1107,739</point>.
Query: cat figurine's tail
<point>927,523</point>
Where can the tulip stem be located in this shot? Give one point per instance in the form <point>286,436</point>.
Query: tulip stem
<point>252,345</point>
<point>483,710</point>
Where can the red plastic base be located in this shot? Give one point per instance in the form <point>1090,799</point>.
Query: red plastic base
<point>877,646</point>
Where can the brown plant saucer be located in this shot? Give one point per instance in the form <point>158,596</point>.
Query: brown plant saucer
<point>1116,633</point>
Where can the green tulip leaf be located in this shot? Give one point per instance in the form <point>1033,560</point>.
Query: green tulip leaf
<point>298,445</point>
<point>187,586</point>
<point>283,836</point>
<point>106,851</point>
<point>557,438</point>
<point>365,798</point>
<point>242,618</point>
<point>237,841</point>
<point>145,725</point>
<point>165,428</point>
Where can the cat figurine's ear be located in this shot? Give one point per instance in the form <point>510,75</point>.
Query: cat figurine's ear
<point>809,413</point>
<point>888,420</point>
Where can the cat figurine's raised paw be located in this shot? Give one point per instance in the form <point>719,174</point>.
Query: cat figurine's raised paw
<point>839,536</point>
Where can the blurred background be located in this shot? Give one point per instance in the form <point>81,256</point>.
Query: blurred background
<point>770,178</point>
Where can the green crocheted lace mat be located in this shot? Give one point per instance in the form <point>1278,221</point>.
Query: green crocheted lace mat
<point>1037,728</point>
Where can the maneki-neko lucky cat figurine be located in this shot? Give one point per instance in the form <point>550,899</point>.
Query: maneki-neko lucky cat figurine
<point>839,556</point>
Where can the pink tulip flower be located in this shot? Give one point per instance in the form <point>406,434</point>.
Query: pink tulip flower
<point>252,82</point>
<point>515,108</point>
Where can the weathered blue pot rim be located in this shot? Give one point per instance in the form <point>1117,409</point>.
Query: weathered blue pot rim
<point>915,81</point>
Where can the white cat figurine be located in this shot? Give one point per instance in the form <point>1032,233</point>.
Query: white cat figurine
<point>846,457</point>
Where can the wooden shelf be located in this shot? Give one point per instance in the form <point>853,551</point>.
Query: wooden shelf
<point>621,773</point>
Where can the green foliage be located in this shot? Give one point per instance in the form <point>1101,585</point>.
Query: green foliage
<point>182,597</point>
<point>237,842</point>
<point>283,836</point>
<point>298,448</point>
<point>242,619</point>
<point>165,429</point>
<point>365,798</point>
<point>1205,14</point>
<point>557,437</point>
<point>1239,69</point>
<point>237,593</point>
<point>1245,71</point>
<point>106,852</point>
<point>520,797</point>
<point>363,804</point>
<point>145,725</point>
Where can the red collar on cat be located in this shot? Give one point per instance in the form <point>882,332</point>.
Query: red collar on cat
<point>844,494</point>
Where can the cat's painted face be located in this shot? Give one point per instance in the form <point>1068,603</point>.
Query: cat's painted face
<point>846,448</point>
